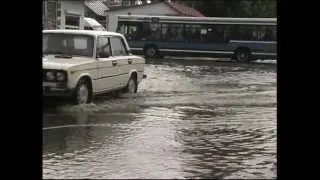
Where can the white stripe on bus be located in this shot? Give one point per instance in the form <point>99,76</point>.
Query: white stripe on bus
<point>197,51</point>
<point>136,48</point>
<point>268,54</point>
<point>265,42</point>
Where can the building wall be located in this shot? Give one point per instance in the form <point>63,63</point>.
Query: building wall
<point>49,14</point>
<point>72,8</point>
<point>153,9</point>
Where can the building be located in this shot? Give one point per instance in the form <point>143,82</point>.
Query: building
<point>162,8</point>
<point>69,14</point>
<point>63,14</point>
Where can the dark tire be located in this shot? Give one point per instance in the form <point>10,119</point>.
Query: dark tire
<point>161,56</point>
<point>83,92</point>
<point>132,86</point>
<point>242,55</point>
<point>150,51</point>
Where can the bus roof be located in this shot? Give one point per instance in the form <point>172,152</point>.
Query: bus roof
<point>91,22</point>
<point>199,20</point>
<point>83,32</point>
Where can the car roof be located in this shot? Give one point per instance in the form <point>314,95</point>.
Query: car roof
<point>83,32</point>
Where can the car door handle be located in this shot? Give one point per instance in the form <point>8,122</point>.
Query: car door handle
<point>130,61</point>
<point>114,63</point>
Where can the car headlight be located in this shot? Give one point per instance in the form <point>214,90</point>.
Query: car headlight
<point>50,76</point>
<point>60,76</point>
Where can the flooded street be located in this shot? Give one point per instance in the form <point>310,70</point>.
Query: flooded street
<point>189,120</point>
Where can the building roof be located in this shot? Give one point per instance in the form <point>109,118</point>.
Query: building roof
<point>97,6</point>
<point>181,9</point>
<point>185,10</point>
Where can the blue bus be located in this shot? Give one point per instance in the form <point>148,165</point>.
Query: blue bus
<point>242,39</point>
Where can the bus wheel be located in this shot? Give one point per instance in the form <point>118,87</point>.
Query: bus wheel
<point>150,51</point>
<point>242,55</point>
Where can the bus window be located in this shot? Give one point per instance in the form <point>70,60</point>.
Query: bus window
<point>265,33</point>
<point>145,31</point>
<point>270,34</point>
<point>261,31</point>
<point>274,34</point>
<point>215,33</point>
<point>132,31</point>
<point>121,29</point>
<point>193,32</point>
<point>155,31</point>
<point>175,32</point>
<point>251,33</point>
<point>180,35</point>
<point>203,34</point>
<point>188,32</point>
<point>164,31</point>
<point>243,32</point>
<point>228,30</point>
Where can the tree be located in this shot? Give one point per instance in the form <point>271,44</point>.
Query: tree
<point>234,8</point>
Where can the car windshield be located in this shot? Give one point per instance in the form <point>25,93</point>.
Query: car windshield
<point>67,44</point>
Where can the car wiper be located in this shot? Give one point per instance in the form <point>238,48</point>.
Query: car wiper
<point>57,54</point>
<point>63,56</point>
<point>52,52</point>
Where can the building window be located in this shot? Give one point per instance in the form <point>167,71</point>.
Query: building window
<point>72,20</point>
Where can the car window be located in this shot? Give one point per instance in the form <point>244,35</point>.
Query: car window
<point>103,45</point>
<point>118,47</point>
<point>80,43</point>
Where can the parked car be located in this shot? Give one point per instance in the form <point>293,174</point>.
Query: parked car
<point>82,63</point>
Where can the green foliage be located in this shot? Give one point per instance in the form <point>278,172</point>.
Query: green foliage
<point>235,8</point>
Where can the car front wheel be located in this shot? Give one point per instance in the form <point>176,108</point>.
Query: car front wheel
<point>83,93</point>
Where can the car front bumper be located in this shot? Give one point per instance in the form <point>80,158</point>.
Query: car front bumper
<point>56,89</point>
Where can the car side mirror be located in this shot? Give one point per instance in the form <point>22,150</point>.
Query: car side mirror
<point>103,54</point>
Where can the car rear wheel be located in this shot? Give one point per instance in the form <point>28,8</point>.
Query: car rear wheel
<point>242,55</point>
<point>132,86</point>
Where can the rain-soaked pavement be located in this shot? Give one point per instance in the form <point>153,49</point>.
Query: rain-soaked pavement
<point>189,120</point>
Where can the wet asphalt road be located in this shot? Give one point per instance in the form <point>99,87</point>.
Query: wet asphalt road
<point>189,119</point>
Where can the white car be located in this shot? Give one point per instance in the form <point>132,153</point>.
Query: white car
<point>82,63</point>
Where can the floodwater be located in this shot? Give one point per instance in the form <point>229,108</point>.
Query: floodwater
<point>189,119</point>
